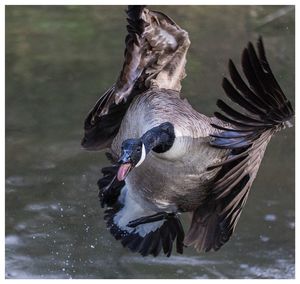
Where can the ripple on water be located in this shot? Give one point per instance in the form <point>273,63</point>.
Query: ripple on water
<point>23,181</point>
<point>282,270</point>
<point>270,217</point>
<point>208,267</point>
<point>45,165</point>
<point>43,206</point>
<point>264,238</point>
<point>13,240</point>
<point>174,260</point>
<point>291,225</point>
<point>17,181</point>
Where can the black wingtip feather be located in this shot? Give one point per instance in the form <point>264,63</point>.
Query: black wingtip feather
<point>264,100</point>
<point>245,136</point>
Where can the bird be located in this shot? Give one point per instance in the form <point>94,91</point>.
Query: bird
<point>166,159</point>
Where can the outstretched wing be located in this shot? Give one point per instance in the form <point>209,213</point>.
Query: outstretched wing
<point>266,110</point>
<point>155,56</point>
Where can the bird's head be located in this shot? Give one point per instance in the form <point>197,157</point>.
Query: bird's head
<point>133,153</point>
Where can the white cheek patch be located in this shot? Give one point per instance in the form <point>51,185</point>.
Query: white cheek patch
<point>143,156</point>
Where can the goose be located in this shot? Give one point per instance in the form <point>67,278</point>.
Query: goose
<point>167,159</point>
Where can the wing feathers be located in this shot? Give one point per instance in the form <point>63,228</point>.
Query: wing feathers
<point>245,137</point>
<point>154,57</point>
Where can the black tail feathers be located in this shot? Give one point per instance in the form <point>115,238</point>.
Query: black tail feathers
<point>152,243</point>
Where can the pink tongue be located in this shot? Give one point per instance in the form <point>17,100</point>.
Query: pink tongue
<point>123,171</point>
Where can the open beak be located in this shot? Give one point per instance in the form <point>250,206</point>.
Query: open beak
<point>125,165</point>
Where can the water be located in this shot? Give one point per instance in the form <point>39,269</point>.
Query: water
<point>58,60</point>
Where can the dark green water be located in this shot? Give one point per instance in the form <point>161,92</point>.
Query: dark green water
<point>59,59</point>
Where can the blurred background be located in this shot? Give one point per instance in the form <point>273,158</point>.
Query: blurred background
<point>59,60</point>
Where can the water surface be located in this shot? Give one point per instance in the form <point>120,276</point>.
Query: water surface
<point>59,59</point>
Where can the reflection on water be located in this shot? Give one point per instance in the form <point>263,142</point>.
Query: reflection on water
<point>58,60</point>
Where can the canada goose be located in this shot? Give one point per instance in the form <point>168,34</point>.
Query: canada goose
<point>169,159</point>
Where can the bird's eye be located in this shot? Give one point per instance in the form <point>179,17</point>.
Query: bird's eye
<point>139,149</point>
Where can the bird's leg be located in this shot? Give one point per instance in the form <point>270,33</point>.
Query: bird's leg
<point>150,219</point>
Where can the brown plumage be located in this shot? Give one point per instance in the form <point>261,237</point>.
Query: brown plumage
<point>211,163</point>
<point>154,57</point>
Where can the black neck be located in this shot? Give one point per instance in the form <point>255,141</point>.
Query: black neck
<point>159,139</point>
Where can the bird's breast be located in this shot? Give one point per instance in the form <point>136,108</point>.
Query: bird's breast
<point>169,182</point>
